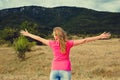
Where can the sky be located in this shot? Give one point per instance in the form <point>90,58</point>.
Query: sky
<point>99,5</point>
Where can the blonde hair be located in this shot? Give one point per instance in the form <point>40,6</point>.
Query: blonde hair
<point>61,34</point>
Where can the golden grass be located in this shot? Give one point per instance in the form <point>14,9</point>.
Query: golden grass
<point>98,60</point>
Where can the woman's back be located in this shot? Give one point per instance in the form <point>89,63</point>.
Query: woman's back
<point>61,60</point>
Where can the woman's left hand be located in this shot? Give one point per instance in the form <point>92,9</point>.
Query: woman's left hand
<point>105,35</point>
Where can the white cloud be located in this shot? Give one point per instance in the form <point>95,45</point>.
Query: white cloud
<point>111,6</point>
<point>1,4</point>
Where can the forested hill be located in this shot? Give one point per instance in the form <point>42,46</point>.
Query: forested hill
<point>73,19</point>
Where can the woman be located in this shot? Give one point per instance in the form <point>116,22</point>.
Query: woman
<point>61,65</point>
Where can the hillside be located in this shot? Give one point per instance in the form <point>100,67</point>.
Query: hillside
<point>99,60</point>
<point>74,20</point>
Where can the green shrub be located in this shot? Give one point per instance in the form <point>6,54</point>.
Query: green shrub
<point>21,45</point>
<point>2,41</point>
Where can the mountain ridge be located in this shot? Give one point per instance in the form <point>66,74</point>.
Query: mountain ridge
<point>73,19</point>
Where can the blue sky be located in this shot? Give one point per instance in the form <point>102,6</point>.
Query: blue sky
<point>99,5</point>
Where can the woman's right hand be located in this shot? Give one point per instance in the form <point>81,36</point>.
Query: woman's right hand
<point>24,32</point>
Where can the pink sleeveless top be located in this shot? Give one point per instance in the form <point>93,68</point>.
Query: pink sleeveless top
<point>61,61</point>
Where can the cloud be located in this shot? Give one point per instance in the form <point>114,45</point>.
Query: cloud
<point>111,6</point>
<point>100,5</point>
<point>2,4</point>
<point>106,5</point>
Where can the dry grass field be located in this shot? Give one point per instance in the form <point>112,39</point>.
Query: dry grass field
<point>98,60</point>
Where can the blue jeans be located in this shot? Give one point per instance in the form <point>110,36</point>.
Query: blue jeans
<point>60,75</point>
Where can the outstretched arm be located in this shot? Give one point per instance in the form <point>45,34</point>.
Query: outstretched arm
<point>38,38</point>
<point>102,36</point>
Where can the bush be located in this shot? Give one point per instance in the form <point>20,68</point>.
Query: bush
<point>21,45</point>
<point>2,41</point>
<point>9,34</point>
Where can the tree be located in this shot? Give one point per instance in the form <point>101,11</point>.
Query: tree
<point>30,26</point>
<point>9,34</point>
<point>21,45</point>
